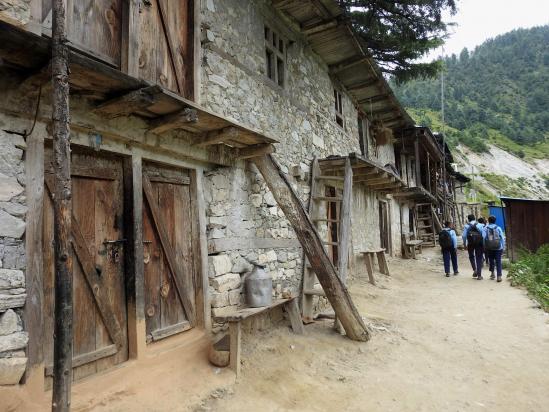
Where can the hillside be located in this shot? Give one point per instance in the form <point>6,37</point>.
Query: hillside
<point>497,100</point>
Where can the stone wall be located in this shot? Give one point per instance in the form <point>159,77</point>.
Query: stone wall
<point>13,339</point>
<point>17,12</point>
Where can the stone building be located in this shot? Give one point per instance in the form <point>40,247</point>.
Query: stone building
<point>168,100</point>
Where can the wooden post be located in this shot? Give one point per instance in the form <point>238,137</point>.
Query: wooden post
<point>335,290</point>
<point>62,355</point>
<point>418,167</point>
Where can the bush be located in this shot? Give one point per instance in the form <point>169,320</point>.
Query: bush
<point>532,272</point>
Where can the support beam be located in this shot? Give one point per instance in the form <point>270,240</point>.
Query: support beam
<point>218,136</point>
<point>173,121</point>
<point>129,103</point>
<point>255,150</point>
<point>347,64</point>
<point>336,291</point>
<point>310,29</point>
<point>363,85</point>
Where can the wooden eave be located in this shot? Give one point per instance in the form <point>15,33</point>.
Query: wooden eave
<point>340,48</point>
<point>118,94</point>
<point>418,194</point>
<point>366,172</point>
<point>426,138</point>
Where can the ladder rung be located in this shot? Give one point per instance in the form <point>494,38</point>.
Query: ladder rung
<point>331,243</point>
<point>328,198</point>
<point>316,292</point>
<point>326,220</point>
<point>336,178</point>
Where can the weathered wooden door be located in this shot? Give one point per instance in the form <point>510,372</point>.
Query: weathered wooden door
<point>93,26</point>
<point>100,318</point>
<point>384,225</point>
<point>168,231</point>
<point>166,44</point>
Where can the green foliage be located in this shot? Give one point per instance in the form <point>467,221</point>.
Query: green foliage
<point>532,272</point>
<point>507,186</point>
<point>397,33</point>
<point>501,87</point>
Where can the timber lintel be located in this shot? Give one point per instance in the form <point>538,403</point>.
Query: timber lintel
<point>128,103</point>
<point>173,121</point>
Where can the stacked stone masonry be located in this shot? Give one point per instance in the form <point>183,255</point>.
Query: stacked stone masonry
<point>13,339</point>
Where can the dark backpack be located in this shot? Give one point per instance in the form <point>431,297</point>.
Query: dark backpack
<point>493,239</point>
<point>474,237</point>
<point>445,240</point>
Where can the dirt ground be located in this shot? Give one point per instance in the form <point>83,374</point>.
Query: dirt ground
<point>439,344</point>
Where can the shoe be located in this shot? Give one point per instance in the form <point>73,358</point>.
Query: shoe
<point>480,277</point>
<point>492,276</point>
<point>447,275</point>
<point>499,278</point>
<point>474,275</point>
<point>456,273</point>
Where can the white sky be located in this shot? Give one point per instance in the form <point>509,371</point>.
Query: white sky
<point>479,20</point>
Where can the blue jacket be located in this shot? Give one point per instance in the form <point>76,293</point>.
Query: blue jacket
<point>453,236</point>
<point>501,235</point>
<point>480,227</point>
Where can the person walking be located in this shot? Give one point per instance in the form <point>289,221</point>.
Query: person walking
<point>482,221</point>
<point>473,239</point>
<point>494,244</point>
<point>447,240</point>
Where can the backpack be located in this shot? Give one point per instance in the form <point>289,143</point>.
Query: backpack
<point>445,240</point>
<point>493,239</point>
<point>474,237</point>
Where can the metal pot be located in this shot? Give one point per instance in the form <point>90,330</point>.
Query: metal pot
<point>259,288</point>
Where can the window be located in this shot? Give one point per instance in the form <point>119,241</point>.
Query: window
<point>364,135</point>
<point>275,56</point>
<point>338,102</point>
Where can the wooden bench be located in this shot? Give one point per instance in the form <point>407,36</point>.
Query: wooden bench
<point>235,318</point>
<point>369,256</point>
<point>412,245</point>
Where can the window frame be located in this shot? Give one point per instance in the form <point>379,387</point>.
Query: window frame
<point>364,135</point>
<point>275,56</point>
<point>338,108</point>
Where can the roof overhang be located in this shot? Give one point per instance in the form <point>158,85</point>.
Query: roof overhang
<point>331,36</point>
<point>418,194</point>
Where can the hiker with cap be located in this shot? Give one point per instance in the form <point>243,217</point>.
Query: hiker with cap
<point>447,240</point>
<point>473,239</point>
<point>494,244</point>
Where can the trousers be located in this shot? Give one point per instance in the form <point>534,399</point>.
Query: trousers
<point>494,260</point>
<point>476,257</point>
<point>447,256</point>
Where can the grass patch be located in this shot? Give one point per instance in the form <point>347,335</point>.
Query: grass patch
<point>536,151</point>
<point>507,186</point>
<point>531,271</point>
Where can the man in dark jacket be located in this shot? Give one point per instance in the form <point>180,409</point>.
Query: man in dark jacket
<point>473,239</point>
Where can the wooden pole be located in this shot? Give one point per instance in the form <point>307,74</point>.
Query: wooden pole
<point>293,209</point>
<point>62,338</point>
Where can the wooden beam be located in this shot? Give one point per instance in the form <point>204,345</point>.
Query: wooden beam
<point>255,150</point>
<point>173,121</point>
<point>314,28</point>
<point>312,244</point>
<point>374,99</point>
<point>384,111</point>
<point>218,136</point>
<point>363,85</point>
<point>347,64</point>
<point>129,103</point>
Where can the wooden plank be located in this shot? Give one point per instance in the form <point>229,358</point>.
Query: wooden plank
<point>177,276</point>
<point>168,34</point>
<point>173,121</point>
<point>171,330</point>
<point>369,267</point>
<point>235,334</point>
<point>255,150</point>
<point>244,243</point>
<point>245,313</point>
<point>86,358</point>
<point>295,319</point>
<point>336,291</point>
<point>218,136</point>
<point>344,235</point>
<point>130,38</point>
<point>128,103</point>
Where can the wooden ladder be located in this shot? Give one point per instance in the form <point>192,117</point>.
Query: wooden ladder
<point>318,212</point>
<point>425,224</point>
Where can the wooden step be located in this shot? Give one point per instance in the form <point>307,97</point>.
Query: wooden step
<point>314,292</point>
<point>331,243</point>
<point>326,220</point>
<point>424,226</point>
<point>328,198</point>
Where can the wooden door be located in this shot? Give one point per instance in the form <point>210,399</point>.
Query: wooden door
<point>93,26</point>
<point>384,225</point>
<point>100,318</point>
<point>168,232</point>
<point>166,44</point>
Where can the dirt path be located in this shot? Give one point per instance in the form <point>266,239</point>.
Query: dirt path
<point>439,344</point>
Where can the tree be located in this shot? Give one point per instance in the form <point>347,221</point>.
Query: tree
<point>397,33</point>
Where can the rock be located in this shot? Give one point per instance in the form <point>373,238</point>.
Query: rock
<point>256,200</point>
<point>11,279</point>
<point>8,301</point>
<point>11,370</point>
<point>15,341</point>
<point>271,256</point>
<point>222,312</point>
<point>9,186</point>
<point>216,233</point>
<point>241,265</point>
<point>269,199</point>
<point>219,299</point>
<point>15,354</point>
<point>234,297</point>
<point>220,181</point>
<point>221,81</point>
<point>9,323</point>
<point>221,264</point>
<point>14,209</point>
<point>226,282</point>
<point>11,226</point>
<point>220,221</point>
